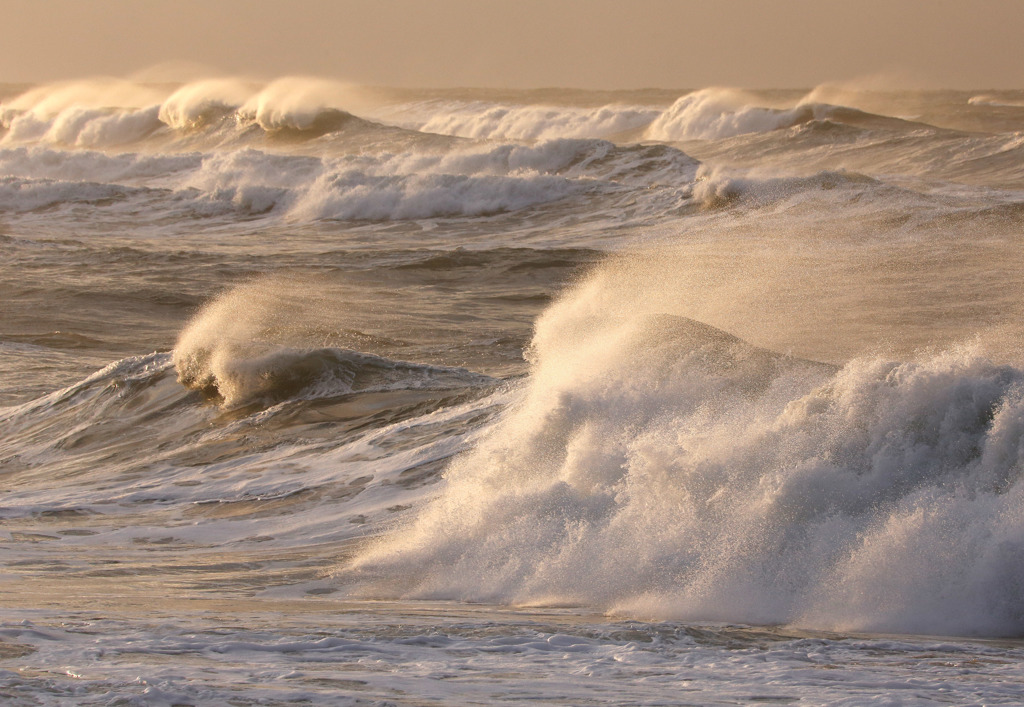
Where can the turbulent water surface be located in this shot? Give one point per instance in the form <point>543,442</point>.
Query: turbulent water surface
<point>312,392</point>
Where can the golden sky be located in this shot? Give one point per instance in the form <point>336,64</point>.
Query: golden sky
<point>527,43</point>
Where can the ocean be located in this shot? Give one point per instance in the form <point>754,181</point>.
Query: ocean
<point>314,393</point>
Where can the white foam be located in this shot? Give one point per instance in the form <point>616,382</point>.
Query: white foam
<point>467,182</point>
<point>24,195</point>
<point>327,653</point>
<point>93,166</point>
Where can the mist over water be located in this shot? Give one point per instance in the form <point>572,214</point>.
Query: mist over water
<point>299,374</point>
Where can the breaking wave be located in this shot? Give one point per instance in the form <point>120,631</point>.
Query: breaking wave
<point>655,466</point>
<point>987,99</point>
<point>482,120</point>
<point>718,113</point>
<point>252,344</point>
<point>106,114</point>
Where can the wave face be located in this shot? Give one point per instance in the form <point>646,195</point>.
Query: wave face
<point>713,114</point>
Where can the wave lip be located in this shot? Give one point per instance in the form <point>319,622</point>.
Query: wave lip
<point>986,99</point>
<point>712,114</point>
<point>200,104</point>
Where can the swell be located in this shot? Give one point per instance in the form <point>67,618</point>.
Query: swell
<point>127,458</point>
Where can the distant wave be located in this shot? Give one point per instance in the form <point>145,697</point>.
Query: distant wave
<point>471,180</point>
<point>110,114</point>
<point>483,120</point>
<point>26,195</point>
<point>715,114</point>
<point>467,182</point>
<point>706,114</point>
<point>986,99</point>
<point>136,169</point>
<point>715,188</point>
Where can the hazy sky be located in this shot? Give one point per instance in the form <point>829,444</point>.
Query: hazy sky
<point>527,43</point>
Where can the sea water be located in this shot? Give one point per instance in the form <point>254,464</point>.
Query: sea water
<point>315,392</point>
